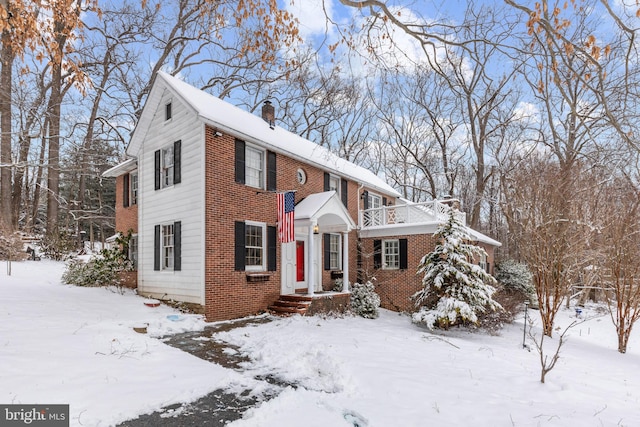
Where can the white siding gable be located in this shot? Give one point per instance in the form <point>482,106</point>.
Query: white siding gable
<point>182,202</point>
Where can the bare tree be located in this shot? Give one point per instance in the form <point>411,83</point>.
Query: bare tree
<point>420,124</point>
<point>565,47</point>
<point>17,31</point>
<point>546,363</point>
<point>620,258</point>
<point>552,226</point>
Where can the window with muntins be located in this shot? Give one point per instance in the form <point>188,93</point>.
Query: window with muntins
<point>483,262</point>
<point>375,202</point>
<point>334,252</point>
<point>167,247</point>
<point>254,163</point>
<point>391,254</point>
<point>334,184</point>
<point>255,246</point>
<point>134,188</point>
<point>167,167</point>
<point>133,251</point>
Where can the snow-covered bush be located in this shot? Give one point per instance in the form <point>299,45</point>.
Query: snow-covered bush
<point>364,300</point>
<point>89,273</point>
<point>101,270</point>
<point>455,290</point>
<point>516,278</point>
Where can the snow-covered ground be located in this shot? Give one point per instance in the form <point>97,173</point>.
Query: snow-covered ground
<point>64,344</point>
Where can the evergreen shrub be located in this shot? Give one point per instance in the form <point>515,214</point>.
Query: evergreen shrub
<point>364,300</point>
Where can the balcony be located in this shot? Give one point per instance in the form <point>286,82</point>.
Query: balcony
<point>431,212</point>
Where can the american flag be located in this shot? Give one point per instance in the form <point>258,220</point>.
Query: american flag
<point>286,207</point>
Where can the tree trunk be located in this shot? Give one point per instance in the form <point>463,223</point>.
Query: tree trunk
<point>38,180</point>
<point>53,170</point>
<point>6,55</point>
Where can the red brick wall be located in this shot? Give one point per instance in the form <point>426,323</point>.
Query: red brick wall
<point>126,218</point>
<point>228,294</point>
<point>395,287</point>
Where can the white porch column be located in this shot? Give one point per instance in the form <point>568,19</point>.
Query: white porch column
<point>311,278</point>
<point>345,262</point>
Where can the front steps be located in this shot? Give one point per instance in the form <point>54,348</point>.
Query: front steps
<point>291,304</point>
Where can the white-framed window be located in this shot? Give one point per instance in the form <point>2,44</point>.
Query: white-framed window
<point>133,251</point>
<point>334,184</point>
<point>167,247</point>
<point>167,166</point>
<point>335,253</point>
<point>133,188</point>
<point>391,254</point>
<point>255,245</point>
<point>374,201</point>
<point>483,262</point>
<point>168,113</point>
<point>254,167</point>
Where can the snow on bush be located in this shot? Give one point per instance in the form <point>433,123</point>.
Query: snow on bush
<point>364,300</point>
<point>455,290</point>
<point>515,277</point>
<point>101,270</point>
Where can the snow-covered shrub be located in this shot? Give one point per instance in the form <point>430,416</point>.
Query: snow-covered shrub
<point>455,290</point>
<point>101,270</point>
<point>364,300</point>
<point>516,278</point>
<point>89,273</point>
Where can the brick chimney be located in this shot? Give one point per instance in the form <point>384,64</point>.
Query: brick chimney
<point>269,114</point>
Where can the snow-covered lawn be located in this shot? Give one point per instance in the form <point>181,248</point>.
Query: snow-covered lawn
<point>63,344</point>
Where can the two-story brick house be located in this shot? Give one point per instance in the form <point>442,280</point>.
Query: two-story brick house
<point>200,194</point>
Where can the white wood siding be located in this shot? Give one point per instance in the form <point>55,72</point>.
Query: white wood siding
<point>181,202</point>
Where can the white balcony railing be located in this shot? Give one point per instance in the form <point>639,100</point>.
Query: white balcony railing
<point>412,213</point>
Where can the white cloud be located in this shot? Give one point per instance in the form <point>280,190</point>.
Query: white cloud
<point>312,16</point>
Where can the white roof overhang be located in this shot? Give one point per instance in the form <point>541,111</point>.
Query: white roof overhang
<point>325,210</point>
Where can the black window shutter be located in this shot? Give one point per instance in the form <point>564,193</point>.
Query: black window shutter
<point>327,251</point>
<point>343,193</point>
<point>365,197</point>
<point>240,164</point>
<point>271,248</point>
<point>326,181</point>
<point>384,201</point>
<point>377,253</point>
<point>403,254</point>
<point>239,245</point>
<point>157,169</point>
<point>125,191</point>
<point>177,246</point>
<point>177,158</point>
<point>271,171</point>
<point>156,248</point>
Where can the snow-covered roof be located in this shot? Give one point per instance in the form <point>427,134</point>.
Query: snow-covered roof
<point>325,207</point>
<point>233,120</point>
<point>478,236</point>
<point>124,167</point>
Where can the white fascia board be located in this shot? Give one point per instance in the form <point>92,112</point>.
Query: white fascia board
<point>394,230</point>
<point>121,168</point>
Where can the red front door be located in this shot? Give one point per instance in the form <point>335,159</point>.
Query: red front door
<point>300,261</point>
